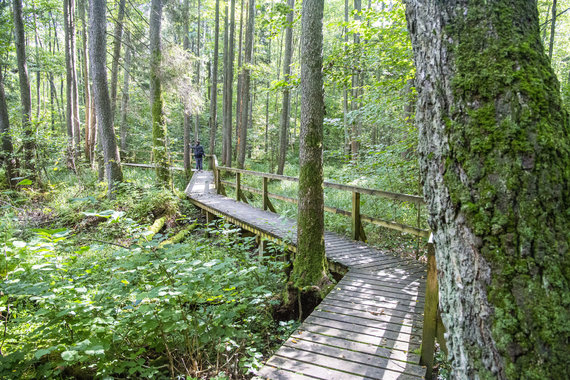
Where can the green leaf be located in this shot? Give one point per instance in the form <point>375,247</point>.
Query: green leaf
<point>69,356</point>
<point>42,352</point>
<point>24,182</point>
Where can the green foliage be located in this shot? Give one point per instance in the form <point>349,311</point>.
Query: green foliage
<point>73,310</point>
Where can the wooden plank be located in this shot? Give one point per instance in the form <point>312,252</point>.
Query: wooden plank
<point>363,359</point>
<point>388,292</point>
<point>351,345</point>
<point>405,332</point>
<point>362,337</point>
<point>392,338</point>
<point>352,369</point>
<point>356,308</point>
<point>381,287</point>
<point>310,369</point>
<point>383,276</point>
<point>376,304</point>
<point>413,305</point>
<point>378,314</point>
<point>274,373</point>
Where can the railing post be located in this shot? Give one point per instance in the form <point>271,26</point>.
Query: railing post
<point>238,186</point>
<point>356,223</point>
<point>430,312</point>
<point>265,197</point>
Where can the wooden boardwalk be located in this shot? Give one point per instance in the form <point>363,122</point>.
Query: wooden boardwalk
<point>368,327</point>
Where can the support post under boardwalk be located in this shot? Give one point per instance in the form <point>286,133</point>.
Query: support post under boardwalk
<point>430,312</point>
<point>265,197</point>
<point>356,222</point>
<point>238,186</point>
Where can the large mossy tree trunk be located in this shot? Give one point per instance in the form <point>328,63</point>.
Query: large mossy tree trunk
<point>286,108</point>
<point>160,157</point>
<point>495,163</point>
<point>310,272</point>
<point>25,90</point>
<point>98,55</point>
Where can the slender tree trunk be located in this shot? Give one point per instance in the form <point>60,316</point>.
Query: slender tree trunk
<point>124,127</point>
<point>25,91</point>
<point>214,90</point>
<point>309,273</point>
<point>355,144</point>
<point>7,157</point>
<point>552,30</point>
<point>229,83</point>
<point>72,95</point>
<point>225,87</point>
<point>187,118</point>
<point>494,157</point>
<point>347,141</point>
<point>198,63</point>
<point>239,80</point>
<point>89,117</point>
<point>97,53</point>
<point>244,96</point>
<point>117,39</point>
<point>158,125</point>
<point>286,109</point>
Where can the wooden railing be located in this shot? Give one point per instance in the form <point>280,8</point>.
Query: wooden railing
<point>432,326</point>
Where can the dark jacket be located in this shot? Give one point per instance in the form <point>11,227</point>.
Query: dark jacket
<point>198,151</point>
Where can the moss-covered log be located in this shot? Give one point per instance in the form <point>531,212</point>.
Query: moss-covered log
<point>155,228</point>
<point>495,161</point>
<point>179,236</point>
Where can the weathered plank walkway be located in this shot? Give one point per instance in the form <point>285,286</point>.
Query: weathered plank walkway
<point>368,327</point>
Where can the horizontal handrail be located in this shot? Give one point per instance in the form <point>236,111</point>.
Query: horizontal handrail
<point>377,221</point>
<point>149,166</point>
<point>362,190</point>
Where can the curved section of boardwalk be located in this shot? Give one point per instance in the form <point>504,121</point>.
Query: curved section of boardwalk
<point>368,327</point>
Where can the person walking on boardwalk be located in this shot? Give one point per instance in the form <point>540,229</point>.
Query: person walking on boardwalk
<point>198,154</point>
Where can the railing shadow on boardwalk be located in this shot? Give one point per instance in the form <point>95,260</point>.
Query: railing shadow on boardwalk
<point>372,324</point>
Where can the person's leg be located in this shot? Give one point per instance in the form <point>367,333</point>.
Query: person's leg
<point>197,163</point>
<point>200,163</point>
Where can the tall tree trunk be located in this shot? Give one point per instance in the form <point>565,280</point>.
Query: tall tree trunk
<point>286,109</point>
<point>214,89</point>
<point>124,127</point>
<point>187,117</point>
<point>117,39</point>
<point>198,63</point>
<point>494,158</point>
<point>239,79</point>
<point>244,96</point>
<point>158,125</point>
<point>225,86</point>
<point>355,144</point>
<point>7,157</point>
<point>72,95</point>
<point>25,91</point>
<point>229,87</point>
<point>347,141</point>
<point>98,55</point>
<point>309,273</point>
<point>552,30</point>
<point>89,117</point>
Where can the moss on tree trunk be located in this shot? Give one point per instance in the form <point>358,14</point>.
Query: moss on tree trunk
<point>495,161</point>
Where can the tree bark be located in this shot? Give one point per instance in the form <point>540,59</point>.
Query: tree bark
<point>310,265</point>
<point>25,90</point>
<point>89,117</point>
<point>97,53</point>
<point>355,143</point>
<point>117,39</point>
<point>198,63</point>
<point>187,118</point>
<point>239,81</point>
<point>225,86</point>
<point>244,96</point>
<point>158,124</point>
<point>229,87</point>
<point>124,127</point>
<point>214,89</point>
<point>7,157</point>
<point>494,157</point>
<point>72,95</point>
<point>286,109</point>
<point>552,30</point>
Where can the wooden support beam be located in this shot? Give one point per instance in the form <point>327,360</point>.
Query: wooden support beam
<point>238,186</point>
<point>266,201</point>
<point>356,222</point>
<point>430,313</point>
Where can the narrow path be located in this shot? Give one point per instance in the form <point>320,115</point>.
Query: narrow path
<point>368,327</point>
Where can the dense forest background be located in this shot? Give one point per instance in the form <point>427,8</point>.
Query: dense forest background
<point>106,268</point>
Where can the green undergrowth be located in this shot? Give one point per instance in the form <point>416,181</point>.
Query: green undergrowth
<point>86,295</point>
